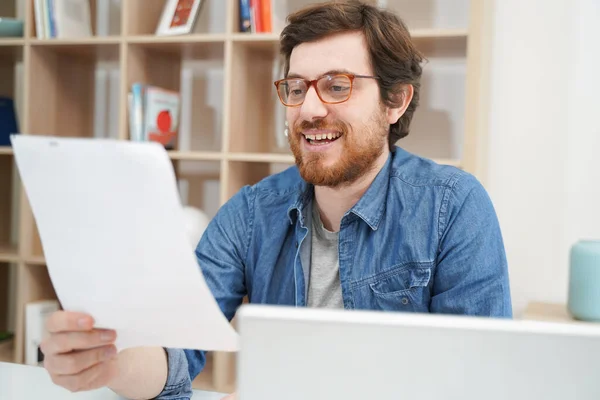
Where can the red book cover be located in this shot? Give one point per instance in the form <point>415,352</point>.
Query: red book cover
<point>265,8</point>
<point>255,6</point>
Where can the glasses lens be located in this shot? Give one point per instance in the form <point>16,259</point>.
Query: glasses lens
<point>335,88</point>
<point>292,91</point>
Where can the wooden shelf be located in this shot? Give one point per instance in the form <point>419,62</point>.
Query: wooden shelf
<point>191,39</point>
<point>99,48</point>
<point>35,260</point>
<point>7,350</point>
<point>255,37</point>
<point>195,155</point>
<point>257,41</point>
<point>261,157</point>
<point>91,41</point>
<point>12,42</point>
<point>185,47</point>
<point>9,253</point>
<point>551,312</point>
<point>6,151</point>
<point>439,33</point>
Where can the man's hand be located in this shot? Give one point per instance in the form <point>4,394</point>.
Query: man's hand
<point>77,356</point>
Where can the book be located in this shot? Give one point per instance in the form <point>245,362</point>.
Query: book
<point>8,120</point>
<point>161,116</point>
<point>154,114</point>
<point>136,116</point>
<point>265,10</point>
<point>71,18</point>
<point>245,18</point>
<point>62,19</point>
<point>256,16</point>
<point>40,20</point>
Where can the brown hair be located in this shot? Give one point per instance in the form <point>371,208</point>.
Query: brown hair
<point>394,57</point>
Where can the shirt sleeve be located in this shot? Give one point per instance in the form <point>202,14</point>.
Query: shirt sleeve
<point>471,275</point>
<point>179,384</point>
<point>221,255</point>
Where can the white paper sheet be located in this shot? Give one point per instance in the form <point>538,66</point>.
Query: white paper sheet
<point>111,225</point>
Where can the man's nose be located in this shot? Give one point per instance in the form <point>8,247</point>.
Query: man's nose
<point>313,107</point>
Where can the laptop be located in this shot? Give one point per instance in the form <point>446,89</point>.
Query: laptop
<point>301,353</point>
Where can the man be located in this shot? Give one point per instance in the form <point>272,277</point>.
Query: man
<point>359,224</point>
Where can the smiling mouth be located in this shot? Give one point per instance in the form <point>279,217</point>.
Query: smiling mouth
<point>322,138</point>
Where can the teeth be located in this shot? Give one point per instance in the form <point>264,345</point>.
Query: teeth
<point>323,136</point>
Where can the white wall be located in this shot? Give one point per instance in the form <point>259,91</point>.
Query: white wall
<point>544,132</point>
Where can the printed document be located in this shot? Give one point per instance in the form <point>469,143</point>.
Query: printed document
<point>112,230</point>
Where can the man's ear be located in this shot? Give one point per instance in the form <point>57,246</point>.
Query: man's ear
<point>401,100</point>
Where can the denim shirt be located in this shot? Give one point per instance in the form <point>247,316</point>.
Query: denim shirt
<point>423,238</point>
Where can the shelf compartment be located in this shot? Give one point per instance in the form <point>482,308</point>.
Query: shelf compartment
<point>7,350</point>
<point>193,47</point>
<point>196,71</point>
<point>11,50</point>
<point>64,84</point>
<point>11,65</point>
<point>9,209</point>
<point>34,285</point>
<point>437,129</point>
<point>144,16</point>
<point>8,297</point>
<point>279,12</point>
<point>432,14</point>
<point>256,126</point>
<point>105,18</point>
<point>199,186</point>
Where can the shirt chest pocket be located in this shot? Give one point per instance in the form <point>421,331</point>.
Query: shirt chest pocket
<point>405,288</point>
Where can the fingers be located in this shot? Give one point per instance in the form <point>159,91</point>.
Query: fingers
<point>76,362</point>
<point>65,342</point>
<point>64,321</point>
<point>77,356</point>
<point>92,378</point>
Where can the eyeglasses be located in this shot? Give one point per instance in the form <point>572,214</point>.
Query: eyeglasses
<point>331,89</point>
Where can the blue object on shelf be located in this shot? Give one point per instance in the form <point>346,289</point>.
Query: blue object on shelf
<point>11,27</point>
<point>8,120</point>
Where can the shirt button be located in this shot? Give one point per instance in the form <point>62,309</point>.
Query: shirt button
<point>404,300</point>
<point>296,244</point>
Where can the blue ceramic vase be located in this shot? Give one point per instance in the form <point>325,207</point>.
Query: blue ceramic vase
<point>584,281</point>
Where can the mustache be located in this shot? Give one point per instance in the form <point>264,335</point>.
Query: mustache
<point>321,124</point>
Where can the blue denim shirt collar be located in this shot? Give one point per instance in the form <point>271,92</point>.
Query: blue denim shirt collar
<point>370,208</point>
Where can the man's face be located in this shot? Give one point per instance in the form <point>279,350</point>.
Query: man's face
<point>361,122</point>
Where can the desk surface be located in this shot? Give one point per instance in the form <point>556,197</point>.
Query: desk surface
<point>27,382</point>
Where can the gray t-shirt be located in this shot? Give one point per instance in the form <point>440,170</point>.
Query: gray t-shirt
<point>324,288</point>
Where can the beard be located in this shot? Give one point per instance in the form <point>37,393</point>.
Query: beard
<point>361,148</point>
